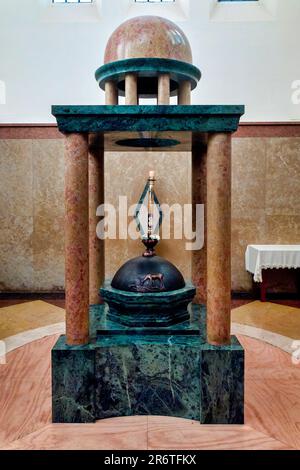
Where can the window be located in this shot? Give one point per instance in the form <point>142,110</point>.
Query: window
<point>174,10</point>
<point>72,1</point>
<point>243,10</point>
<point>154,1</point>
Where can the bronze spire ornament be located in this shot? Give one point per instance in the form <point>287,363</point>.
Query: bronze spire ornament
<point>148,273</point>
<point>148,216</point>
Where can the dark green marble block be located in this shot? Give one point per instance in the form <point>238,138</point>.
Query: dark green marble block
<point>222,384</point>
<point>195,118</point>
<point>160,309</point>
<point>154,371</point>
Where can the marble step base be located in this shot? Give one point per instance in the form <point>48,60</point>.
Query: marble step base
<point>125,373</point>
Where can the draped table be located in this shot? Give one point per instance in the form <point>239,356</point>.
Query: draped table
<point>262,257</point>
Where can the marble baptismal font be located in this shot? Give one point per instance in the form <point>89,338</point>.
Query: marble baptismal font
<point>148,342</point>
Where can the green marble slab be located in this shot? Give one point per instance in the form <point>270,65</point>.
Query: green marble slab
<point>148,378</point>
<point>145,68</point>
<point>156,309</point>
<point>100,325</point>
<point>102,119</point>
<point>222,383</point>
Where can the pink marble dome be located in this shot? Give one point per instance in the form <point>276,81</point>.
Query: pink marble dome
<point>148,36</point>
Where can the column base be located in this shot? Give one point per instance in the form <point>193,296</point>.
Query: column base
<point>167,371</point>
<point>73,383</point>
<point>222,384</point>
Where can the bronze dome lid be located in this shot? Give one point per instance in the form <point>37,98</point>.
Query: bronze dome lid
<point>148,275</point>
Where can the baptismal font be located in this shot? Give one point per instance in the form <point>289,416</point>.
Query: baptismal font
<point>148,342</point>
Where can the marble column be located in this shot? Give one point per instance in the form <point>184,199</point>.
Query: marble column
<point>77,239</point>
<point>163,89</point>
<point>131,89</point>
<point>96,198</point>
<point>184,93</point>
<point>111,93</point>
<point>199,257</point>
<point>218,238</point>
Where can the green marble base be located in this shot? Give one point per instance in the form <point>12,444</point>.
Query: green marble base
<point>222,384</point>
<point>148,371</point>
<point>160,309</point>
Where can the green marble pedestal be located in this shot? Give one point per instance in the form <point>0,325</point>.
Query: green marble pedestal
<point>139,310</point>
<point>166,371</point>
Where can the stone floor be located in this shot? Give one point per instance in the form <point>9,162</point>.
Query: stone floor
<point>61,302</point>
<point>272,403</point>
<point>272,410</point>
<point>281,318</point>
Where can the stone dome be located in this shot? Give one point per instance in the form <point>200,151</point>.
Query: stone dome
<point>148,37</point>
<point>148,275</point>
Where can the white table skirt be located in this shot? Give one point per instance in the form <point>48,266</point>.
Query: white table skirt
<point>259,257</point>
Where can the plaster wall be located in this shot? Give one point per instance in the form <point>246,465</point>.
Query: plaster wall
<point>247,53</point>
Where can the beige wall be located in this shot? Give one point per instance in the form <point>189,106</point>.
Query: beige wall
<point>265,198</point>
<point>265,205</point>
<point>32,215</point>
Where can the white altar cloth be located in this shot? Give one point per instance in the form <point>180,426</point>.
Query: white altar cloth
<point>259,257</point>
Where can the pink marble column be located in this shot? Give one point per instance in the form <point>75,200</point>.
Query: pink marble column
<point>111,93</point>
<point>199,257</point>
<point>163,89</point>
<point>184,93</point>
<point>219,238</point>
<point>131,89</point>
<point>77,239</point>
<point>96,198</point>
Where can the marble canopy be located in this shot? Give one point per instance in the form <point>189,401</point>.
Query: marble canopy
<point>205,131</point>
<point>212,362</point>
<point>185,123</point>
